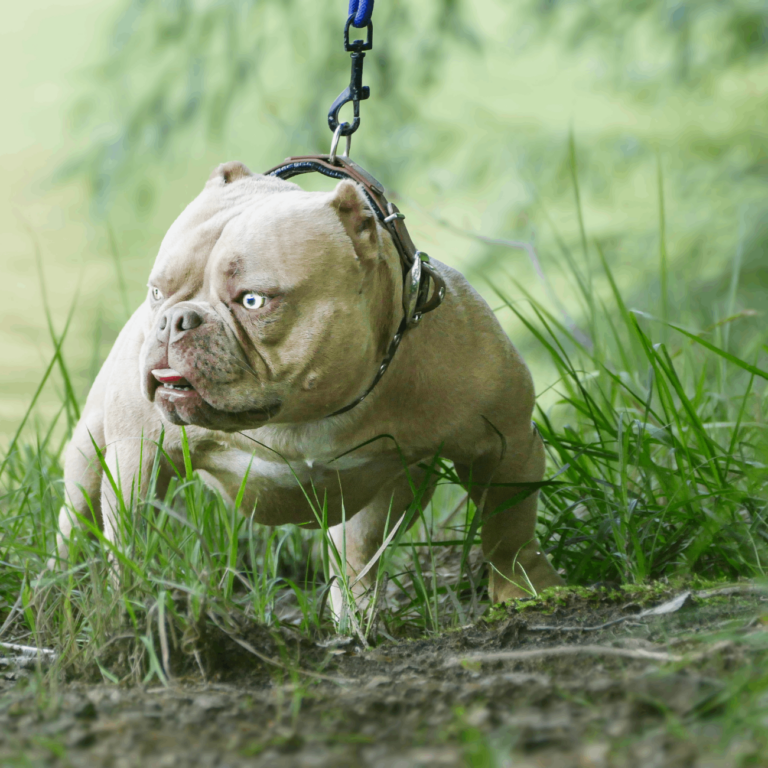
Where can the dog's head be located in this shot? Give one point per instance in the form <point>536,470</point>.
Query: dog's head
<point>267,303</point>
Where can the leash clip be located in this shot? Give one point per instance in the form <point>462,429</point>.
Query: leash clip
<point>355,91</point>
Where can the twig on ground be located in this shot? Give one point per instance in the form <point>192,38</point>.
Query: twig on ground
<point>675,604</point>
<point>743,589</point>
<point>668,607</point>
<point>25,655</point>
<point>713,649</point>
<point>564,650</point>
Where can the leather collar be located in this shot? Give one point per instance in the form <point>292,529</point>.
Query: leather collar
<point>423,287</point>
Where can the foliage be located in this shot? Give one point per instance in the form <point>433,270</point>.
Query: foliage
<point>693,42</point>
<point>180,68</point>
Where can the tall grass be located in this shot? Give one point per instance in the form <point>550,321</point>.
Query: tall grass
<point>657,442</point>
<point>657,468</point>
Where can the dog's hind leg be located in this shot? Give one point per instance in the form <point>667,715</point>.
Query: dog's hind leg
<point>361,536</point>
<point>518,565</point>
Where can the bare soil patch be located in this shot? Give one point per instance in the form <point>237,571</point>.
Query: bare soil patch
<point>649,690</point>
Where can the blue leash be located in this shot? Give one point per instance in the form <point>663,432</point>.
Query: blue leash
<point>362,10</point>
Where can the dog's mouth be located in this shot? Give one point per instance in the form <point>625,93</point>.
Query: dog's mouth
<point>172,380</point>
<point>183,404</point>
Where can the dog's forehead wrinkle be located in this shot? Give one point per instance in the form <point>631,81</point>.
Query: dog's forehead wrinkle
<point>194,246</point>
<point>205,220</point>
<point>235,266</point>
<point>296,212</point>
<point>261,225</point>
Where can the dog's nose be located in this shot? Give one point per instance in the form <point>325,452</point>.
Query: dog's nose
<point>176,322</point>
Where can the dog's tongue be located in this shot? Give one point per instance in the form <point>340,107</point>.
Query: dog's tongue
<point>169,376</point>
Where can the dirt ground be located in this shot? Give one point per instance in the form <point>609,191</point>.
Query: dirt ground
<point>527,686</point>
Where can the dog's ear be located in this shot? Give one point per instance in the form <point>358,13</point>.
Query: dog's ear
<point>226,173</point>
<point>357,217</point>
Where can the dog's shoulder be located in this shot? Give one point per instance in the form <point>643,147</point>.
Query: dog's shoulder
<point>116,391</point>
<point>468,319</point>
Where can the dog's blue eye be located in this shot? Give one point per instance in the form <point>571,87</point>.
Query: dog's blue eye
<point>253,301</point>
<point>156,293</point>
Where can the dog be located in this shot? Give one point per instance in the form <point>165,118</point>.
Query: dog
<point>269,311</point>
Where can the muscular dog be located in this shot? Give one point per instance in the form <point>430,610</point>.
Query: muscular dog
<point>270,308</point>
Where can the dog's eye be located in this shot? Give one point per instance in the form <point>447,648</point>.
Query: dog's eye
<point>253,300</point>
<point>156,293</point>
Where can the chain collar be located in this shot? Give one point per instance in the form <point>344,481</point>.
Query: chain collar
<point>423,287</point>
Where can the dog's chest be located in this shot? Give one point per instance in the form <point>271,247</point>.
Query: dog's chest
<point>299,489</point>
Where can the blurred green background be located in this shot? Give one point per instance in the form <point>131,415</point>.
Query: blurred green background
<point>480,114</point>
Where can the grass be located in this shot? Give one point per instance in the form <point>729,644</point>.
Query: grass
<point>657,473</point>
<point>657,446</point>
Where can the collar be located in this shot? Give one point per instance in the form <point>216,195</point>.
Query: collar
<point>423,287</point>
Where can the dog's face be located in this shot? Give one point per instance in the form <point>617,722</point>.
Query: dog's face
<point>267,303</point>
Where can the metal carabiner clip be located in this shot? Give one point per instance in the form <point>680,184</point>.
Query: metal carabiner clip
<point>355,91</point>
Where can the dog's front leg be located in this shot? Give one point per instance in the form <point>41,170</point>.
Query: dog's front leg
<point>82,483</point>
<point>518,565</point>
<point>124,484</point>
<point>360,537</point>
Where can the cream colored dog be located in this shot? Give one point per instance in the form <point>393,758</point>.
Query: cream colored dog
<point>270,308</point>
